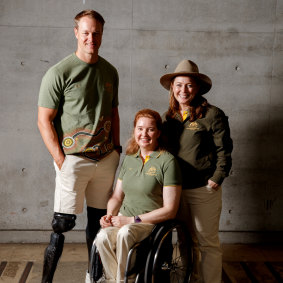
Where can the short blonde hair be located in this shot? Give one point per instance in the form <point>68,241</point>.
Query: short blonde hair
<point>90,13</point>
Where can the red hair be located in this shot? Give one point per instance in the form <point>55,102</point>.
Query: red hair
<point>132,146</point>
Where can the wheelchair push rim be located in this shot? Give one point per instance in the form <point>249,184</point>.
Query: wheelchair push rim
<point>170,259</point>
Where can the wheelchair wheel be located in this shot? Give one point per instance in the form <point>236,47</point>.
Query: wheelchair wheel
<point>170,259</point>
<point>95,265</point>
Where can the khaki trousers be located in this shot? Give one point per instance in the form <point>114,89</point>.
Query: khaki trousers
<point>200,209</point>
<point>114,244</point>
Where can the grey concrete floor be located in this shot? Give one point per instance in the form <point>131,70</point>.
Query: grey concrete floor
<point>20,263</point>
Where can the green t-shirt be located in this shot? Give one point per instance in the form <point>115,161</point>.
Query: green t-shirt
<point>84,95</point>
<point>143,183</point>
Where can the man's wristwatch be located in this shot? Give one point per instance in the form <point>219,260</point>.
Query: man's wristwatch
<point>137,219</point>
<point>118,148</point>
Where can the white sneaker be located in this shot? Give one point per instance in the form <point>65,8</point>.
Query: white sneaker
<point>102,279</point>
<point>87,278</point>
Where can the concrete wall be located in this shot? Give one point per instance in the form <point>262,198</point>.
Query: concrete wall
<point>238,43</point>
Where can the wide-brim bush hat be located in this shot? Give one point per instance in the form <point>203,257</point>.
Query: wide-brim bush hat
<point>188,68</point>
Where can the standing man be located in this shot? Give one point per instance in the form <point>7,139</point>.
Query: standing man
<point>79,123</point>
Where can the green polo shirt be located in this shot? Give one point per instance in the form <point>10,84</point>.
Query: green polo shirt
<point>143,183</point>
<point>84,95</point>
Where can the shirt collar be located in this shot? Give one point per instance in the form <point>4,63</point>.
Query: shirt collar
<point>154,154</point>
<point>180,118</point>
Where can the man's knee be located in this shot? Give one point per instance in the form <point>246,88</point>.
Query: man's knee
<point>63,222</point>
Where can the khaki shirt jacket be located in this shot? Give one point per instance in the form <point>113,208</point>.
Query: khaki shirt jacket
<point>202,147</point>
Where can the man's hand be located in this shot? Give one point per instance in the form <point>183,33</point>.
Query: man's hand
<point>59,162</point>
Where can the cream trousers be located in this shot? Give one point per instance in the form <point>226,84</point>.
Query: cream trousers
<point>114,244</point>
<point>200,209</point>
<point>81,178</point>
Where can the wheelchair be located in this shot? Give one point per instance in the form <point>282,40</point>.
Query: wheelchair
<point>165,256</point>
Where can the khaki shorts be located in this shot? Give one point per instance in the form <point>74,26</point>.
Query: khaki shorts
<point>81,178</point>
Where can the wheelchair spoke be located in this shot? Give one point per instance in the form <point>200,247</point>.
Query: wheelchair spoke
<point>173,268</point>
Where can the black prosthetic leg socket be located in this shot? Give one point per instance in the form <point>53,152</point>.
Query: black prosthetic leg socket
<point>61,223</point>
<point>51,256</point>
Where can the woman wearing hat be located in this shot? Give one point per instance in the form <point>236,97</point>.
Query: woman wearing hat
<point>199,136</point>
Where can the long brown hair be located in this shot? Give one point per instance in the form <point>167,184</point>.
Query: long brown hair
<point>197,109</point>
<point>132,146</point>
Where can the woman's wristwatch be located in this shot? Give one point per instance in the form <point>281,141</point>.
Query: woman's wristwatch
<point>137,219</point>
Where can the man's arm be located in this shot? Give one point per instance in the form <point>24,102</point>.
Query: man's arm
<point>115,127</point>
<point>49,135</point>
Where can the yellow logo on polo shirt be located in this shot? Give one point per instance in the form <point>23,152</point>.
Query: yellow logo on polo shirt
<point>151,171</point>
<point>193,126</point>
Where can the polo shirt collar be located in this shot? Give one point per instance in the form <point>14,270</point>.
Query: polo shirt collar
<point>154,154</point>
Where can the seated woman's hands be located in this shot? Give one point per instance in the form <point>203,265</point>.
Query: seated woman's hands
<point>105,221</point>
<point>119,221</point>
<point>115,221</point>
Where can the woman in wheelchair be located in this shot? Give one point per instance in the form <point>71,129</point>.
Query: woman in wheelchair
<point>147,192</point>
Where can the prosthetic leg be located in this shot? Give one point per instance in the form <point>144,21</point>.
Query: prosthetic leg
<point>61,223</point>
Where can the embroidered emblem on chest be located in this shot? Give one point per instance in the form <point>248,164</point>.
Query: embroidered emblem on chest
<point>193,126</point>
<point>151,171</point>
